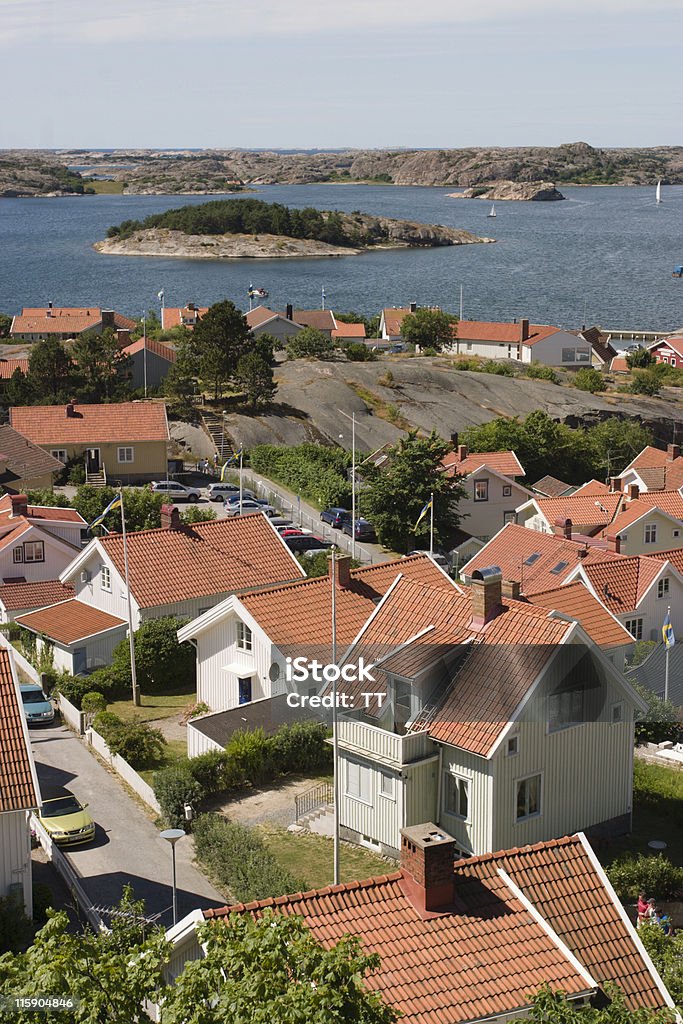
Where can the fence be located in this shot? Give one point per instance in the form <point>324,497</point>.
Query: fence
<point>74,718</point>
<point>24,666</point>
<point>122,768</point>
<point>71,878</point>
<point>321,795</point>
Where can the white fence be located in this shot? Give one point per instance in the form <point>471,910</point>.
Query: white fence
<point>74,718</point>
<point>122,768</point>
<point>64,867</point>
<point>20,661</point>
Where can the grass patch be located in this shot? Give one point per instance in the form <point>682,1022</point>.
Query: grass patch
<point>105,188</point>
<point>174,751</point>
<point>153,705</point>
<point>310,857</point>
<point>385,410</point>
<point>657,813</point>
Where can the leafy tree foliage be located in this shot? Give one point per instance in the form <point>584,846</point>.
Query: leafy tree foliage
<point>358,352</point>
<point>588,379</point>
<point>181,382</point>
<point>255,377</point>
<point>141,506</point>
<point>51,372</point>
<point>311,470</point>
<point>197,514</point>
<point>5,324</point>
<point>395,495</point>
<point>161,662</point>
<point>660,721</point>
<point>551,1007</point>
<point>309,343</point>
<point>218,342</point>
<point>429,328</point>
<point>667,953</point>
<point>639,359</point>
<point>646,382</point>
<point>136,741</point>
<point>656,876</point>
<point>104,370</point>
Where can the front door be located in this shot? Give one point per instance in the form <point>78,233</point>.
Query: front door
<point>244,686</point>
<point>93,460</point>
<point>80,659</point>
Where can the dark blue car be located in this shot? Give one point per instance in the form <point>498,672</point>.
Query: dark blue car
<point>364,529</point>
<point>335,516</point>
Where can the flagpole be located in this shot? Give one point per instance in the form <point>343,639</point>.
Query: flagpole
<point>431,523</point>
<point>353,485</point>
<point>144,351</point>
<point>131,635</point>
<point>240,479</point>
<point>335,726</point>
<point>666,659</point>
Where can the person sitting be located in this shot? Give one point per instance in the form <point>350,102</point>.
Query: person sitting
<point>643,909</point>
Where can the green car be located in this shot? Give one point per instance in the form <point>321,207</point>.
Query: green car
<point>66,820</point>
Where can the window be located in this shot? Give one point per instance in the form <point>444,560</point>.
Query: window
<point>566,709</point>
<point>386,785</point>
<point>18,554</point>
<point>359,781</point>
<point>105,578</point>
<point>507,491</point>
<point>663,587</point>
<point>617,713</point>
<point>59,453</point>
<point>126,454</point>
<point>650,533</point>
<point>583,355</point>
<point>456,795</point>
<point>244,640</point>
<point>469,346</point>
<point>568,355</point>
<point>677,533</point>
<point>34,551</point>
<point>528,803</point>
<point>481,490</point>
<point>509,517</point>
<point>635,628</point>
<point>513,746</point>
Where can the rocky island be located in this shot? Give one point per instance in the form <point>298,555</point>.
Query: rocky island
<point>250,228</point>
<point>526,191</point>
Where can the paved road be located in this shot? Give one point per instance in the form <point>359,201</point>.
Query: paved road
<point>127,848</point>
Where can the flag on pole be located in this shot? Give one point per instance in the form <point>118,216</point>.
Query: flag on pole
<point>113,504</point>
<point>668,631</point>
<point>160,295</point>
<point>422,514</point>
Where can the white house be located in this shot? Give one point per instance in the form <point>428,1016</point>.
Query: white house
<point>64,523</point>
<point>36,543</point>
<point>525,342</point>
<point>502,721</point>
<point>653,470</point>
<point>492,493</point>
<point>80,637</point>
<point>19,790</point>
<point>18,598</point>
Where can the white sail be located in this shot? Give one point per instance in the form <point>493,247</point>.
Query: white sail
<point>659,192</point>
<point>493,210</point>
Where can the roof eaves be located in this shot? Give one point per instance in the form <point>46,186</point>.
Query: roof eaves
<point>25,733</point>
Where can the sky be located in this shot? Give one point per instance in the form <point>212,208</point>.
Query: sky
<point>339,73</point>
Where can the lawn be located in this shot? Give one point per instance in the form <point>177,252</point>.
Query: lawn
<point>174,751</point>
<point>310,857</point>
<point>102,187</point>
<point>657,813</point>
<point>154,705</point>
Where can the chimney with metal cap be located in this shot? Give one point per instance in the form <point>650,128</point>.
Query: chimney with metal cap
<point>413,307</point>
<point>486,590</point>
<point>290,311</point>
<point>428,878</point>
<point>563,527</point>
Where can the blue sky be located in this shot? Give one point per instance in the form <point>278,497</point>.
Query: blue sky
<point>362,73</point>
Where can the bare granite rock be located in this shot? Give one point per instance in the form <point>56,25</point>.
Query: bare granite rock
<point>528,191</point>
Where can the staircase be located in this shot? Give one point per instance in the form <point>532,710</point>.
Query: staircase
<point>222,442</point>
<point>95,480</point>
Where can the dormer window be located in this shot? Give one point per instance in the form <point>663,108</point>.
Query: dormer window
<point>663,587</point>
<point>244,637</point>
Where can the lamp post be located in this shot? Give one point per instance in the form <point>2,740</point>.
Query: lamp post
<point>352,417</point>
<point>172,835</point>
<point>144,351</point>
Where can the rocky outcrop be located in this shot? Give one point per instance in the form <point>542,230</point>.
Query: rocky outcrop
<point>532,191</point>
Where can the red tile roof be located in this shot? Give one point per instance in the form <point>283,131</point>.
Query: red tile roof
<point>259,315</point>
<point>620,586</point>
<point>18,782</point>
<point>69,621</point>
<point>20,596</point>
<point>586,511</point>
<point>393,319</point>
<point>218,557</point>
<point>484,330</point>
<point>592,487</point>
<point>667,501</point>
<point>156,347</point>
<point>173,317</point>
<point>649,457</point>
<point>576,600</point>
<point>529,557</point>
<point>12,536</point>
<point>64,321</point>
<point>619,365</point>
<point>506,463</point>
<point>488,953</point>
<point>8,366</point>
<point>48,513</point>
<point>92,424</point>
<point>674,343</point>
<point>349,331</point>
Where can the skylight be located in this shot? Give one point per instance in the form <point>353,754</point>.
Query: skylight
<point>559,567</point>
<point>532,558</point>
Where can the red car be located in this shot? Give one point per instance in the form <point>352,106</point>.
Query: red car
<point>291,533</point>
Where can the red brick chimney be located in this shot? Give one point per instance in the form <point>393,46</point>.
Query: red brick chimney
<point>108,319</point>
<point>633,491</point>
<point>463,452</point>
<point>511,589</point>
<point>170,517</point>
<point>563,527</point>
<point>70,409</point>
<point>523,329</point>
<point>615,483</point>
<point>342,567</point>
<point>427,854</point>
<point>673,451</point>
<point>486,591</point>
<point>614,542</point>
<point>19,503</point>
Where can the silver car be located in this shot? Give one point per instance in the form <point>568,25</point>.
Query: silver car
<point>249,506</point>
<point>175,490</point>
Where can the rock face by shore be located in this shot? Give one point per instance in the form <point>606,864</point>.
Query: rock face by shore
<point>164,242</point>
<point>527,191</point>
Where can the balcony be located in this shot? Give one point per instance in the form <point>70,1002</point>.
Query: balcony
<point>385,747</point>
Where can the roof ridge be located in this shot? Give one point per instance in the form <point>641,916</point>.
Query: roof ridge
<point>324,890</point>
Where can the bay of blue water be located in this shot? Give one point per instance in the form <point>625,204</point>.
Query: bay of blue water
<point>605,256</point>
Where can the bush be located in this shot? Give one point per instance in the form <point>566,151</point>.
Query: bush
<point>645,382</point>
<point>588,379</point>
<point>16,930</point>
<point>161,662</point>
<point>656,876</point>
<point>138,743</point>
<point>498,367</point>
<point>105,681</point>
<point>357,352</point>
<point>660,721</point>
<point>640,358</point>
<point>238,858</point>
<point>249,757</point>
<point>106,723</point>
<point>539,372</point>
<point>174,787</point>
<point>302,747</point>
<point>93,702</point>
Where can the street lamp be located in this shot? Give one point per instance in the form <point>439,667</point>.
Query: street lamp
<point>352,417</point>
<point>172,835</point>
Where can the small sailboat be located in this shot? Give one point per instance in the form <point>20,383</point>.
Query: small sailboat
<point>492,211</point>
<point>658,193</point>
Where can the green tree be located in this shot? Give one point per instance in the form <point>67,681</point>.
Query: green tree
<point>265,346</point>
<point>551,1007</point>
<point>103,368</point>
<point>395,495</point>
<point>429,328</point>
<point>20,390</point>
<point>181,382</point>
<point>659,722</point>
<point>5,324</point>
<point>645,382</point>
<point>588,379</point>
<point>197,514</point>
<point>255,377</point>
<point>667,953</point>
<point>273,971</point>
<point>161,662</point>
<point>142,507</point>
<point>51,372</point>
<point>218,341</point>
<point>615,442</point>
<point>639,359</point>
<point>309,344</point>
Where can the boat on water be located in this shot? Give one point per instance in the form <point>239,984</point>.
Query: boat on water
<point>658,193</point>
<point>492,211</point>
<point>257,293</point>
<point>678,271</point>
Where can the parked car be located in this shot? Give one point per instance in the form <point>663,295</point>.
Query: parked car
<point>435,556</point>
<point>364,529</point>
<point>334,516</point>
<point>37,707</point>
<point>247,507</point>
<point>281,523</point>
<point>174,489</point>
<point>307,544</point>
<point>219,491</point>
<point>232,498</point>
<point>66,819</point>
<point>290,531</point>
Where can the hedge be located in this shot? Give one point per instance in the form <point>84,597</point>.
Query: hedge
<point>104,680</point>
<point>656,876</point>
<point>238,859</point>
<point>136,741</point>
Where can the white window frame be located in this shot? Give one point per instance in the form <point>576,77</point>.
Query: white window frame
<point>30,547</point>
<point>358,779</point>
<point>60,453</point>
<point>105,578</point>
<point>484,485</point>
<point>663,586</point>
<point>387,779</point>
<point>458,787</point>
<point>520,819</point>
<point>616,713</point>
<point>650,533</point>
<point>635,628</point>
<point>245,637</point>
<point>126,454</point>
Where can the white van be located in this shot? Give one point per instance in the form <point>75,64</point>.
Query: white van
<point>220,490</point>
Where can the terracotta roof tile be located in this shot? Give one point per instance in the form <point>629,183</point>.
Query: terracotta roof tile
<point>92,424</point>
<point>343,330</point>
<point>487,954</point>
<point>259,315</point>
<point>592,487</point>
<point>46,513</point>
<point>64,321</point>
<point>648,458</point>
<point>152,345</point>
<point>620,586</point>
<point>16,596</point>
<point>674,343</point>
<point>667,501</point>
<point>586,511</point>
<point>25,460</point>
<point>551,487</point>
<point>8,366</point>
<point>173,317</point>
<point>506,463</point>
<point>576,600</point>
<point>394,317</point>
<point>510,333</point>
<point>18,784</point>
<point>69,621</point>
<point>217,557</point>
